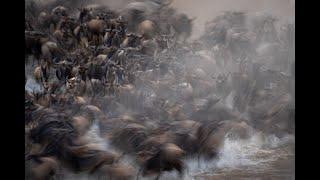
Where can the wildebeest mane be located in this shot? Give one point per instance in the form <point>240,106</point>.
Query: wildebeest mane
<point>54,132</point>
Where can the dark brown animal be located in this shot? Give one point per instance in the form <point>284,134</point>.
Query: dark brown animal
<point>129,137</point>
<point>44,168</point>
<point>33,42</point>
<point>164,157</point>
<point>182,25</point>
<point>96,29</point>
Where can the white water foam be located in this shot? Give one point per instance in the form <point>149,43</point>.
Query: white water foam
<point>236,154</point>
<point>93,135</point>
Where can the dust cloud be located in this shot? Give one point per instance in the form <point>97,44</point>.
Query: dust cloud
<point>205,10</point>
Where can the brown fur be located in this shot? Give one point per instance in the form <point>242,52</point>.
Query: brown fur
<point>46,168</point>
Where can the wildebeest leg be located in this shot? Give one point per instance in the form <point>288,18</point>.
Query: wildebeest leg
<point>33,59</point>
<point>93,95</point>
<point>103,89</point>
<point>158,177</point>
<point>139,172</point>
<point>92,88</point>
<point>198,157</point>
<point>98,39</point>
<point>93,99</point>
<point>95,40</point>
<point>181,176</point>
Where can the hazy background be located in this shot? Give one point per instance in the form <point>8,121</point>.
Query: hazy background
<point>206,10</point>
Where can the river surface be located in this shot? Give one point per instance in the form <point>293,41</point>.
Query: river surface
<point>258,158</point>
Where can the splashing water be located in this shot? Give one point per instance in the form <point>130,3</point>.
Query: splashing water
<point>237,153</point>
<point>94,135</point>
<point>254,157</point>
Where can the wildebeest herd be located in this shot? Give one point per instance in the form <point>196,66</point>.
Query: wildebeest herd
<point>156,96</point>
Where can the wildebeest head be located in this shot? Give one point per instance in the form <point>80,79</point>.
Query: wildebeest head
<point>182,24</point>
<point>59,11</point>
<point>71,83</point>
<point>147,29</point>
<point>85,14</point>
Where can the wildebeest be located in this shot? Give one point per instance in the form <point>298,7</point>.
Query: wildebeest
<point>165,157</point>
<point>85,15</point>
<point>182,26</point>
<point>63,140</point>
<point>49,21</point>
<point>63,70</point>
<point>147,29</point>
<point>33,43</point>
<point>150,96</point>
<point>41,74</point>
<point>96,29</point>
<point>42,168</point>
